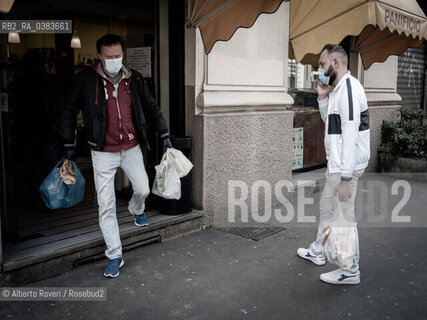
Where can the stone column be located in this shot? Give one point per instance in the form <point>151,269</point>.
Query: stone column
<point>237,111</point>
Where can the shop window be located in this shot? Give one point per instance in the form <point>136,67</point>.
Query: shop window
<point>308,149</point>
<point>309,129</point>
<point>302,84</point>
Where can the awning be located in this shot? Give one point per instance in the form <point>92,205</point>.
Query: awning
<point>219,19</point>
<point>382,28</point>
<point>5,5</point>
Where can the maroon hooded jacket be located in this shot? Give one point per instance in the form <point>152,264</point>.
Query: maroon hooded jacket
<point>120,132</point>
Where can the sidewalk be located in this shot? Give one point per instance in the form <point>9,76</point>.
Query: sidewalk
<point>217,275</point>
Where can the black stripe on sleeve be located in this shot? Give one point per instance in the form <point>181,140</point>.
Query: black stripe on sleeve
<point>350,100</point>
<point>364,120</point>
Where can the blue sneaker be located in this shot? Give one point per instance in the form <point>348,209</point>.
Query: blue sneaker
<point>113,267</point>
<point>139,219</point>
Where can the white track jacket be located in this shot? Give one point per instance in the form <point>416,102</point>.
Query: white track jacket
<point>346,116</point>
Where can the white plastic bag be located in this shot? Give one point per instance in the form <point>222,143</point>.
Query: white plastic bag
<point>339,238</point>
<point>181,163</point>
<point>166,183</point>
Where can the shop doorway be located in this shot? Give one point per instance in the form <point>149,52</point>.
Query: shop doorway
<point>28,152</point>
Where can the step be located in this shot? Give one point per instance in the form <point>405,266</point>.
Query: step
<point>39,259</point>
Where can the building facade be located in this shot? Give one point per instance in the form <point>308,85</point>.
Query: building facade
<point>241,115</point>
<point>243,104</point>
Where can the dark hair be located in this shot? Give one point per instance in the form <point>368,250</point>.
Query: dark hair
<point>335,48</point>
<point>108,40</point>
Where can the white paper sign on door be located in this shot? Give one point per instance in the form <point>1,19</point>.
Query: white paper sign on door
<point>140,60</point>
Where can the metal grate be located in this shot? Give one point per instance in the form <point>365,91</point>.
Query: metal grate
<point>253,233</point>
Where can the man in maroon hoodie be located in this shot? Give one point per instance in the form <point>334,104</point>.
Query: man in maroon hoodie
<point>115,102</point>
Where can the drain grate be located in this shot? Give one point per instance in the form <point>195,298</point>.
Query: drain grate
<point>253,233</point>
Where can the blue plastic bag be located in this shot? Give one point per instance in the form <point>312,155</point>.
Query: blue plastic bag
<point>56,194</point>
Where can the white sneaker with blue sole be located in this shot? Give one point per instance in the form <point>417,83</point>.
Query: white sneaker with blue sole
<point>308,255</point>
<point>340,276</point>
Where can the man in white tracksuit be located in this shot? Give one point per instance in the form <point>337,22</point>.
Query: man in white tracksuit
<point>344,109</point>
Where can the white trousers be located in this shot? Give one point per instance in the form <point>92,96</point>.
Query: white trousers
<point>327,209</point>
<point>105,165</point>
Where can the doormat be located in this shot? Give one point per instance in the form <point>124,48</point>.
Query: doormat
<point>253,233</point>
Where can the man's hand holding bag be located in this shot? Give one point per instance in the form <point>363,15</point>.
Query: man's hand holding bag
<point>173,166</point>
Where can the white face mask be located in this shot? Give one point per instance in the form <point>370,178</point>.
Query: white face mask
<point>113,66</point>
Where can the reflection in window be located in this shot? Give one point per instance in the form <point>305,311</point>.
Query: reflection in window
<point>302,85</point>
<point>308,150</point>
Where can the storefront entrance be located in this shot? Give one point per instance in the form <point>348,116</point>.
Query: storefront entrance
<point>36,74</point>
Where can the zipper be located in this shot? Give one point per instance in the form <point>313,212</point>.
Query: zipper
<point>116,88</point>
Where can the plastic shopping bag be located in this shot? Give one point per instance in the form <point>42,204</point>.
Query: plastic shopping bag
<point>339,237</point>
<point>180,162</point>
<point>166,183</point>
<point>56,194</point>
